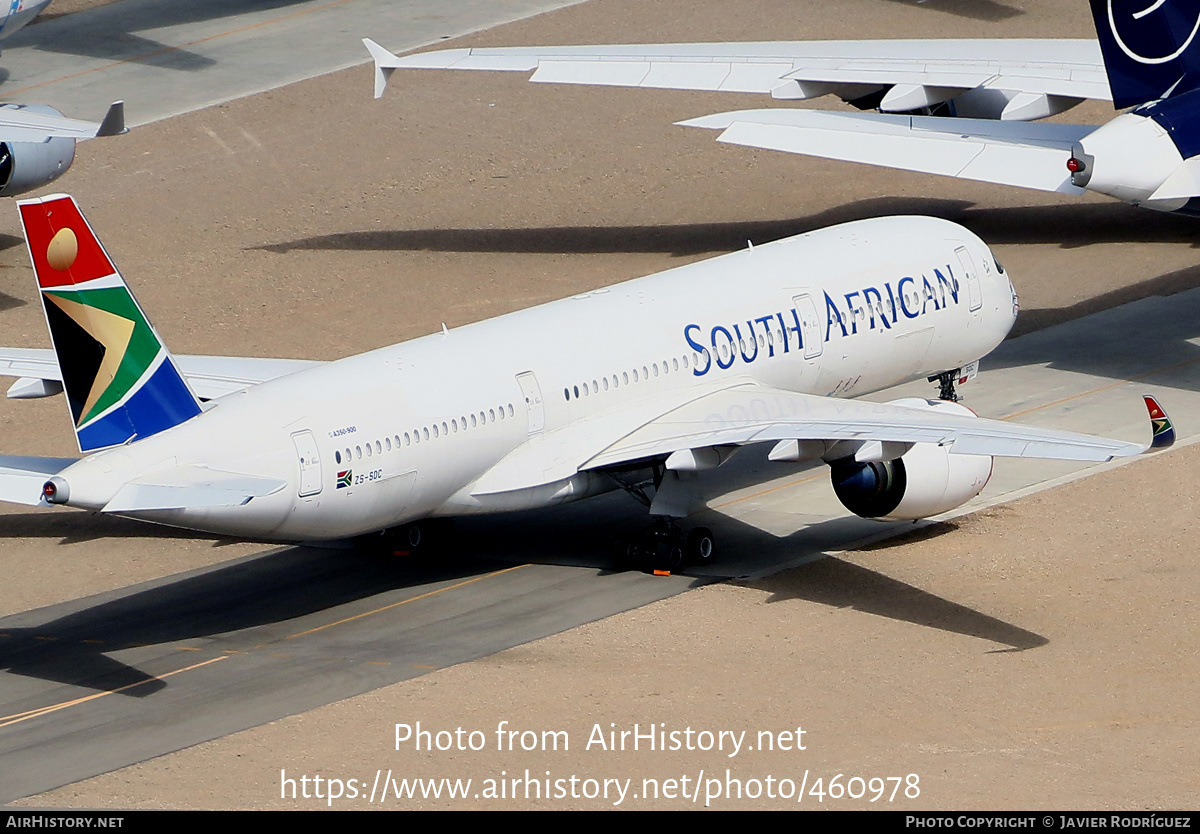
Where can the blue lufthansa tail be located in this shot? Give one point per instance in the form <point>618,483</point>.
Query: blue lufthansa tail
<point>1151,49</point>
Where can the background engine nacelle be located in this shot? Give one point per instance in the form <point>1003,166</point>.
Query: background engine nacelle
<point>927,480</point>
<point>25,166</point>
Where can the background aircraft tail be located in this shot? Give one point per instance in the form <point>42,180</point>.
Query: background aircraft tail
<point>121,382</point>
<point>1150,48</point>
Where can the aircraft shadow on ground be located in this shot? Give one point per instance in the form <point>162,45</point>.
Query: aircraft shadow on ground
<point>111,31</point>
<point>245,600</point>
<point>239,596</point>
<point>988,10</point>
<point>578,535</point>
<point>1067,226</point>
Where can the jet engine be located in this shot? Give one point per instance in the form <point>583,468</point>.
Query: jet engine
<point>25,166</point>
<point>926,480</point>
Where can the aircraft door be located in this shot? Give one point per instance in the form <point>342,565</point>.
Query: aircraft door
<point>810,323</point>
<point>533,401</point>
<point>310,463</point>
<point>974,290</point>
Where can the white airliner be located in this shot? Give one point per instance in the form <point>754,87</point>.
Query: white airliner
<point>953,107</point>
<point>635,386</point>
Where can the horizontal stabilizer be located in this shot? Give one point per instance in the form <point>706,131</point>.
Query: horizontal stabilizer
<point>21,478</point>
<point>1028,155</point>
<point>1183,184</point>
<point>209,376</point>
<point>191,487</point>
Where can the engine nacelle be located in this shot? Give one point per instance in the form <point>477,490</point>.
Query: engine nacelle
<point>926,480</point>
<point>25,166</point>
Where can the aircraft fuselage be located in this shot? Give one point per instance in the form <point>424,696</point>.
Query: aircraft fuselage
<point>425,427</point>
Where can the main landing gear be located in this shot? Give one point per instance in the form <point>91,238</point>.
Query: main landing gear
<point>663,546</point>
<point>419,538</point>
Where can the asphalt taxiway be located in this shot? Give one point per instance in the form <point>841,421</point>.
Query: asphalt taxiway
<point>312,221</point>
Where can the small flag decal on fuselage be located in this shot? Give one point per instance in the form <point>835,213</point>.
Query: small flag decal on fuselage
<point>344,478</point>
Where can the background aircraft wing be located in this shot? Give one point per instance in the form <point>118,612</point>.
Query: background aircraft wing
<point>24,123</point>
<point>751,414</point>
<point>209,376</point>
<point>1025,154</point>
<point>914,73</point>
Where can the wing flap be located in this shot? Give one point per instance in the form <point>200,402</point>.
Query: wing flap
<point>1007,153</point>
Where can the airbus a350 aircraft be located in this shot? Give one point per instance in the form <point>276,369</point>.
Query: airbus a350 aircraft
<point>952,107</point>
<point>635,386</point>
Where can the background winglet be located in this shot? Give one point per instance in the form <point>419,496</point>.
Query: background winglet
<point>114,121</point>
<point>385,65</point>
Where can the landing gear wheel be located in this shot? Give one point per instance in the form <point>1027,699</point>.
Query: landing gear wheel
<point>700,548</point>
<point>674,560</point>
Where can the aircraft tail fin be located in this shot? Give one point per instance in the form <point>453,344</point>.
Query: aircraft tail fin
<point>121,382</point>
<point>1151,50</point>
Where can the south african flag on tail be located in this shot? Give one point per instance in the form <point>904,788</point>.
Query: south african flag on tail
<point>121,382</point>
<point>1163,429</point>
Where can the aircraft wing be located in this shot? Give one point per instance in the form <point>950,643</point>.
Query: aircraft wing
<point>209,376</point>
<point>751,414</point>
<point>914,70</point>
<point>745,414</point>
<point>1024,154</point>
<point>23,123</point>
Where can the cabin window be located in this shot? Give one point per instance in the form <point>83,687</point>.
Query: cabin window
<point>358,452</point>
<point>605,381</point>
<point>510,410</point>
<point>625,377</point>
<point>337,456</point>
